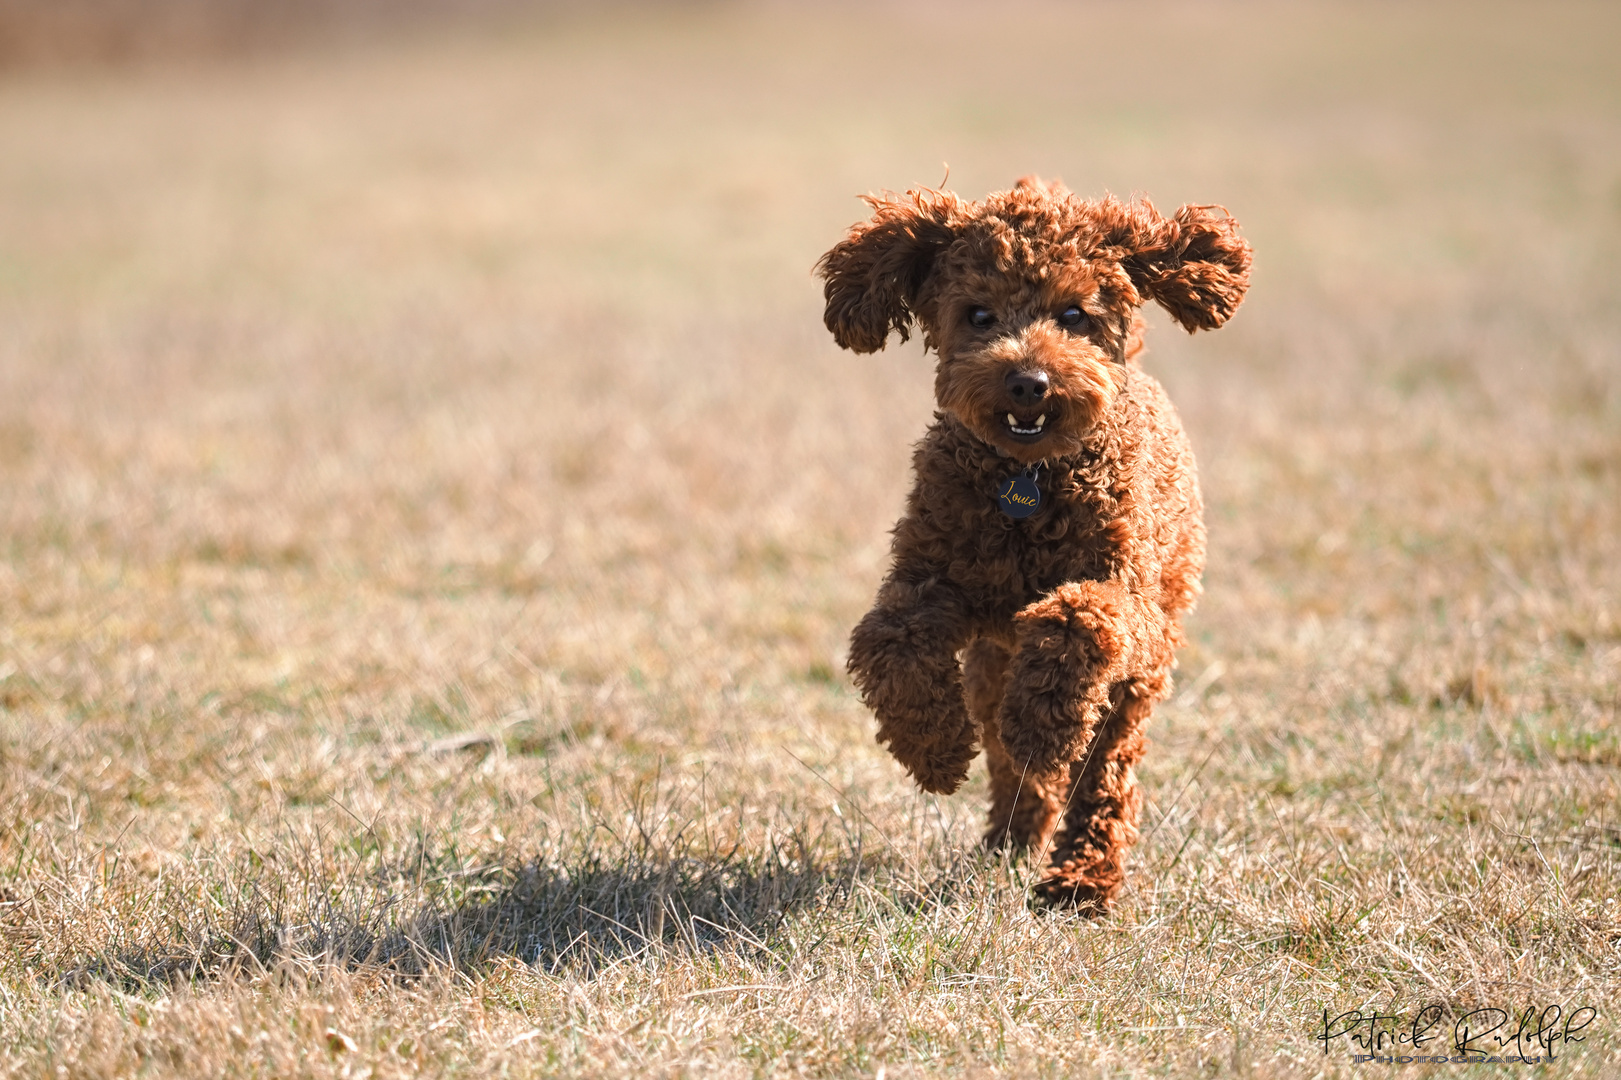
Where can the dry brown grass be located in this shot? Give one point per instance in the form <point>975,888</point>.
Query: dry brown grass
<point>91,33</point>
<point>432,514</point>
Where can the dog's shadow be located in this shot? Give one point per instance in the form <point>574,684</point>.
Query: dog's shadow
<point>586,917</point>
<point>581,915</point>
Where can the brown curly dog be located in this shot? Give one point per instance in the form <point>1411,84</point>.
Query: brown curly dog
<point>1054,538</point>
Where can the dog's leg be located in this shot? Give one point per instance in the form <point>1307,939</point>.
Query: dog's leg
<point>1100,825</point>
<point>1073,645</point>
<point>903,659</point>
<point>1024,808</point>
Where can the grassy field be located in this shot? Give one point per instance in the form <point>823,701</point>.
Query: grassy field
<point>431,515</point>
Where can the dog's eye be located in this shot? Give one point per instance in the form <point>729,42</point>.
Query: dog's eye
<point>1071,316</point>
<point>981,317</point>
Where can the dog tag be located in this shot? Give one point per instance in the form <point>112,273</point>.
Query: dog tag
<point>1020,497</point>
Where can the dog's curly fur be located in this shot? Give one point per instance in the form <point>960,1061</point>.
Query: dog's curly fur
<point>1045,640</point>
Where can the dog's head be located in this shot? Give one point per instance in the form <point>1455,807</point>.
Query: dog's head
<point>1029,298</point>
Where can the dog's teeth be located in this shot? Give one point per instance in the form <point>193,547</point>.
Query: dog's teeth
<point>1011,421</point>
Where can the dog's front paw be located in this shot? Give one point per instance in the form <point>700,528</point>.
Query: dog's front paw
<point>1041,750</point>
<point>907,674</point>
<point>939,766</point>
<point>1082,621</point>
<point>1069,647</point>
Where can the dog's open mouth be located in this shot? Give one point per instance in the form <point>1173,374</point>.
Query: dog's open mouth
<point>1026,430</point>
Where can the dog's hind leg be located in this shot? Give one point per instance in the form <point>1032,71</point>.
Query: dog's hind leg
<point>1100,823</point>
<point>1024,808</point>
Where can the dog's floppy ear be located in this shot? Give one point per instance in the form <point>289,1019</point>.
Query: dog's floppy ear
<point>874,274</point>
<point>1194,264</point>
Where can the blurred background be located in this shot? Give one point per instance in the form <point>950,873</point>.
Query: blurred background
<point>371,285</point>
<point>378,374</point>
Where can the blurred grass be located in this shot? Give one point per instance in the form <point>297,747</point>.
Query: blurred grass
<point>91,33</point>
<point>431,514</point>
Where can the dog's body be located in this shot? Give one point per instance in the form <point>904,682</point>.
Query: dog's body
<point>1046,639</point>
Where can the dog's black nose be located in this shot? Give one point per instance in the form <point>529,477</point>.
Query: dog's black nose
<point>1027,385</point>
